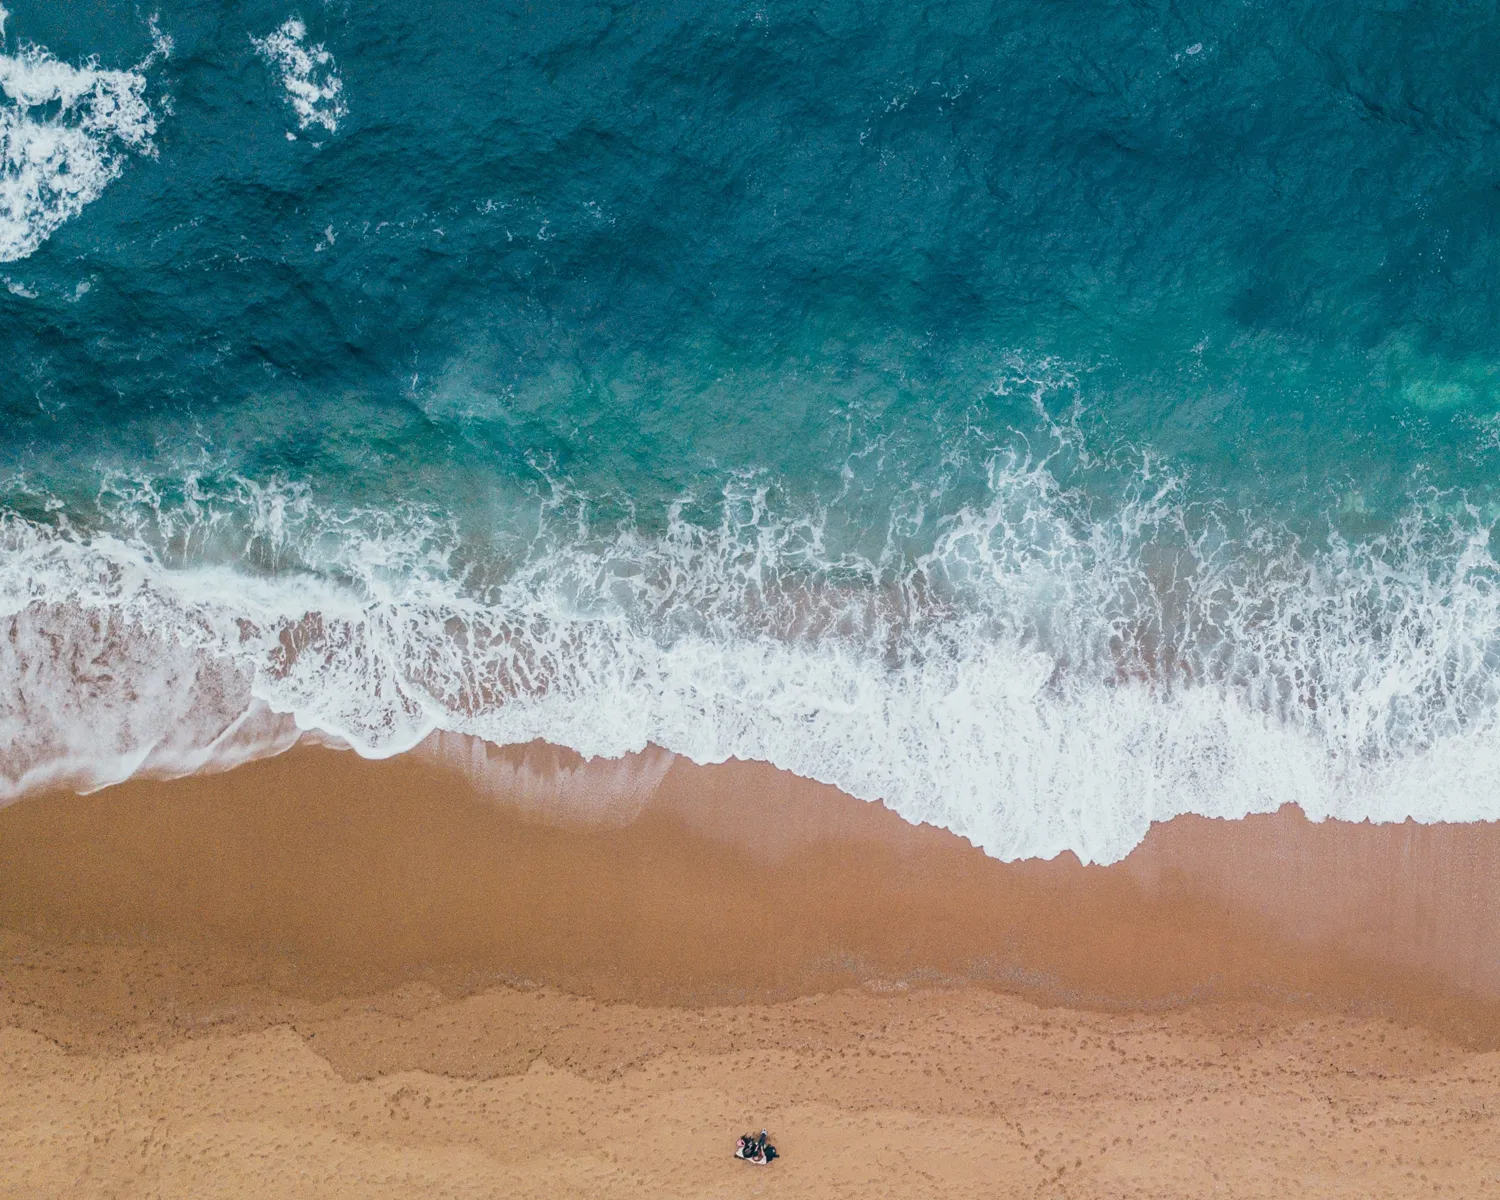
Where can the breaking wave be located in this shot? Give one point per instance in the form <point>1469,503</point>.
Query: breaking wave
<point>1042,677</point>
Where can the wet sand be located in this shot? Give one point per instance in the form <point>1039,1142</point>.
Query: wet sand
<point>509,972</point>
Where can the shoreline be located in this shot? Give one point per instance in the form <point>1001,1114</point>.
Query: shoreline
<point>655,880</point>
<point>475,971</point>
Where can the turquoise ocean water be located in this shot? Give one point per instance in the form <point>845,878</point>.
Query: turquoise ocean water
<point>1044,417</point>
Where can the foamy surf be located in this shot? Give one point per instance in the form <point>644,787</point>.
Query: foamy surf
<point>1040,680</point>
<point>66,133</point>
<point>308,75</point>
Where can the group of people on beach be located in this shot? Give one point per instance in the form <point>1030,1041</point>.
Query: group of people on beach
<point>755,1149</point>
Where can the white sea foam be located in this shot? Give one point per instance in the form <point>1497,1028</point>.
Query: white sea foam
<point>65,134</point>
<point>1037,682</point>
<point>309,75</point>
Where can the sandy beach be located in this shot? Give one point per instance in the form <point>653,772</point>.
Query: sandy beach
<point>472,971</point>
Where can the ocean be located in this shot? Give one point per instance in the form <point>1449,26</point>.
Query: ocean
<point>1044,418</point>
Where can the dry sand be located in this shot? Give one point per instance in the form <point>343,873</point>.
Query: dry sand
<point>468,971</point>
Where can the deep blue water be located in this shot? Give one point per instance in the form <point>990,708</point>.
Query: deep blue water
<point>1045,417</point>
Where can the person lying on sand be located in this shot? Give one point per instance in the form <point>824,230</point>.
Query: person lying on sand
<point>755,1149</point>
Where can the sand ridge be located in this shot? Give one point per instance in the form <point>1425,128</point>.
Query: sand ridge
<point>953,1092</point>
